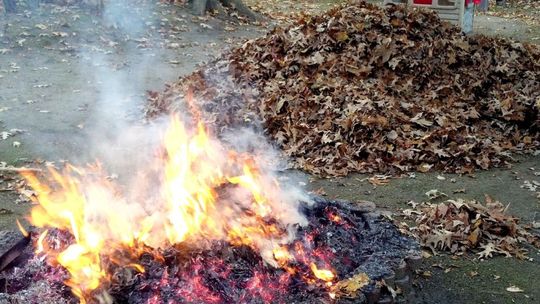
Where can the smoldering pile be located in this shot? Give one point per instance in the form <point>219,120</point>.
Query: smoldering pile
<point>369,255</point>
<point>362,89</point>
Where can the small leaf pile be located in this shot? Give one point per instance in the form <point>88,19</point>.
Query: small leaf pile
<point>459,226</point>
<point>363,89</point>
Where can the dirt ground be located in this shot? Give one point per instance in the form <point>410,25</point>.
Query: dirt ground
<point>70,80</point>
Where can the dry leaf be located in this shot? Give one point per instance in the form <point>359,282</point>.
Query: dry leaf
<point>339,96</point>
<point>458,226</point>
<point>350,287</point>
<point>514,288</point>
<point>379,180</point>
<point>434,194</point>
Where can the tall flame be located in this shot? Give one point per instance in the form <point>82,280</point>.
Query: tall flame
<point>206,192</point>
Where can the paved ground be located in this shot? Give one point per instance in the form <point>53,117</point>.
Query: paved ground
<point>502,27</point>
<point>70,88</point>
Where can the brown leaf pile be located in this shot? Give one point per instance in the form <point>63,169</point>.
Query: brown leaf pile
<point>363,89</point>
<point>461,226</point>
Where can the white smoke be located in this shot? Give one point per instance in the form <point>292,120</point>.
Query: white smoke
<point>131,151</point>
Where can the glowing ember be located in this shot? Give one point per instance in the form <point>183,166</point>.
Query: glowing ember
<point>205,192</point>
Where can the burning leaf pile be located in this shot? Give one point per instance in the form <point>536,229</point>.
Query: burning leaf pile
<point>459,226</point>
<point>205,223</point>
<point>363,250</point>
<point>362,89</point>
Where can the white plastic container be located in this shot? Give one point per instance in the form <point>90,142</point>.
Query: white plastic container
<point>452,11</point>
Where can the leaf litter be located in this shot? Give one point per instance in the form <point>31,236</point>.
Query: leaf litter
<point>459,226</point>
<point>368,89</point>
<point>527,11</point>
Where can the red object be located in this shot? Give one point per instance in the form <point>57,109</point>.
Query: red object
<point>428,2</point>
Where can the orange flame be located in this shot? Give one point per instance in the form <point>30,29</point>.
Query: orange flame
<point>322,274</point>
<point>105,221</point>
<point>22,229</point>
<point>40,247</point>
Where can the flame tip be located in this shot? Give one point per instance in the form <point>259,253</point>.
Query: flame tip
<point>24,232</point>
<point>194,170</point>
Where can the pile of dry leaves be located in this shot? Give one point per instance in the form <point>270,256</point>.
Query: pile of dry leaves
<point>363,89</point>
<point>459,226</point>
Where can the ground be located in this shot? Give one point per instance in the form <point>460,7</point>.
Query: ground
<point>69,81</point>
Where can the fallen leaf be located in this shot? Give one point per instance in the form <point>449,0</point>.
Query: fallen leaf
<point>60,34</point>
<point>379,180</point>
<point>434,194</point>
<point>350,287</point>
<point>382,96</point>
<point>514,288</point>
<point>320,192</point>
